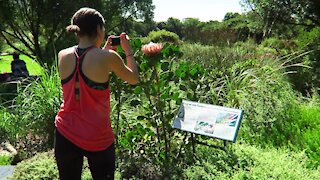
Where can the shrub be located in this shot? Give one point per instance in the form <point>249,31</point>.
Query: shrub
<point>312,146</point>
<point>281,46</point>
<point>257,84</point>
<point>266,99</point>
<point>308,128</point>
<point>43,166</point>
<point>212,56</point>
<point>309,38</point>
<point>249,162</point>
<point>5,160</point>
<point>307,79</point>
<point>163,36</point>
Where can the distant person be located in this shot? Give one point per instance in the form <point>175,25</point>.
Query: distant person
<point>18,67</point>
<point>83,126</point>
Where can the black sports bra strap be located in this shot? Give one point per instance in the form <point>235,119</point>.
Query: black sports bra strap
<point>89,82</point>
<point>82,54</point>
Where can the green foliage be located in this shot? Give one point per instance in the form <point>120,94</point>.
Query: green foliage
<point>37,28</point>
<point>244,76</point>
<point>265,99</point>
<point>306,122</point>
<point>43,166</point>
<point>150,137</point>
<point>305,79</point>
<point>311,137</point>
<point>309,38</point>
<point>32,113</point>
<point>5,160</point>
<point>281,15</point>
<point>237,77</point>
<point>283,47</point>
<point>248,78</point>
<point>250,162</point>
<point>162,36</point>
<point>212,57</point>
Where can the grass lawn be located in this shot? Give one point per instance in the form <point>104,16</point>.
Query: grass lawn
<point>33,67</point>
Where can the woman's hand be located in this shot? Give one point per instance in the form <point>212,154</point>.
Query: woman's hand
<point>108,46</point>
<point>125,44</point>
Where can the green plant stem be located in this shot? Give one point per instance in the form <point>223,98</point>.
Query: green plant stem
<point>157,127</point>
<point>161,115</point>
<point>118,98</point>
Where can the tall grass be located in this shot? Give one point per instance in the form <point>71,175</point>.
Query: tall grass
<point>246,78</point>
<point>30,117</point>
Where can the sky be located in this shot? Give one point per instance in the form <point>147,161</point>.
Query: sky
<point>204,10</point>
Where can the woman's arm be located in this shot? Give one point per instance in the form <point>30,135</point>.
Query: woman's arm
<point>127,72</point>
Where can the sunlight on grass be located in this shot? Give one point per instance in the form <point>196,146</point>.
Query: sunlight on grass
<point>33,67</point>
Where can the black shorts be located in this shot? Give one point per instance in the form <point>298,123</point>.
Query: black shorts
<point>69,158</point>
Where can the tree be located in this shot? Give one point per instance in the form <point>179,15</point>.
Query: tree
<point>37,27</point>
<point>230,15</point>
<point>278,13</point>
<point>192,28</point>
<point>174,25</point>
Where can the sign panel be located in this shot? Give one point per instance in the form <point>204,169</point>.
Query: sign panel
<point>209,120</point>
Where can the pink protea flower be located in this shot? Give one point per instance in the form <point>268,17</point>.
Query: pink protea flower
<point>152,48</point>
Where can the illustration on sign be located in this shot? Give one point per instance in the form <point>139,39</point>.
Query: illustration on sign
<point>215,121</point>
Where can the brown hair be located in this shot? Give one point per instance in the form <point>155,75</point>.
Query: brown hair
<point>85,21</point>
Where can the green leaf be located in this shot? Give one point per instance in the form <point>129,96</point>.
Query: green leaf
<point>178,72</point>
<point>164,95</point>
<point>194,71</point>
<point>175,96</point>
<point>144,66</point>
<point>182,75</point>
<point>136,43</point>
<point>137,90</point>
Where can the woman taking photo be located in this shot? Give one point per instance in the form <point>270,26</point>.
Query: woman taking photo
<point>83,125</point>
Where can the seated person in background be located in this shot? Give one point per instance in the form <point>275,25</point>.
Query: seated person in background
<point>18,67</point>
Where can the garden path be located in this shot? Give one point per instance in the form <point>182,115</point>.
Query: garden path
<point>6,171</point>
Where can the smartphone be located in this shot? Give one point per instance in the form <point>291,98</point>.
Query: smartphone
<point>115,41</point>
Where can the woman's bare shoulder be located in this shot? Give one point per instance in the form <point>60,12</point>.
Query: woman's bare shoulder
<point>66,52</point>
<point>108,54</point>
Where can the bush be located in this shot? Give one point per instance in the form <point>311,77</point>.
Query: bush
<point>250,162</point>
<point>162,36</point>
<point>212,56</point>
<point>5,160</point>
<point>265,100</point>
<point>43,166</point>
<point>251,82</point>
<point>311,138</point>
<point>307,79</point>
<point>281,46</point>
<point>309,128</point>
